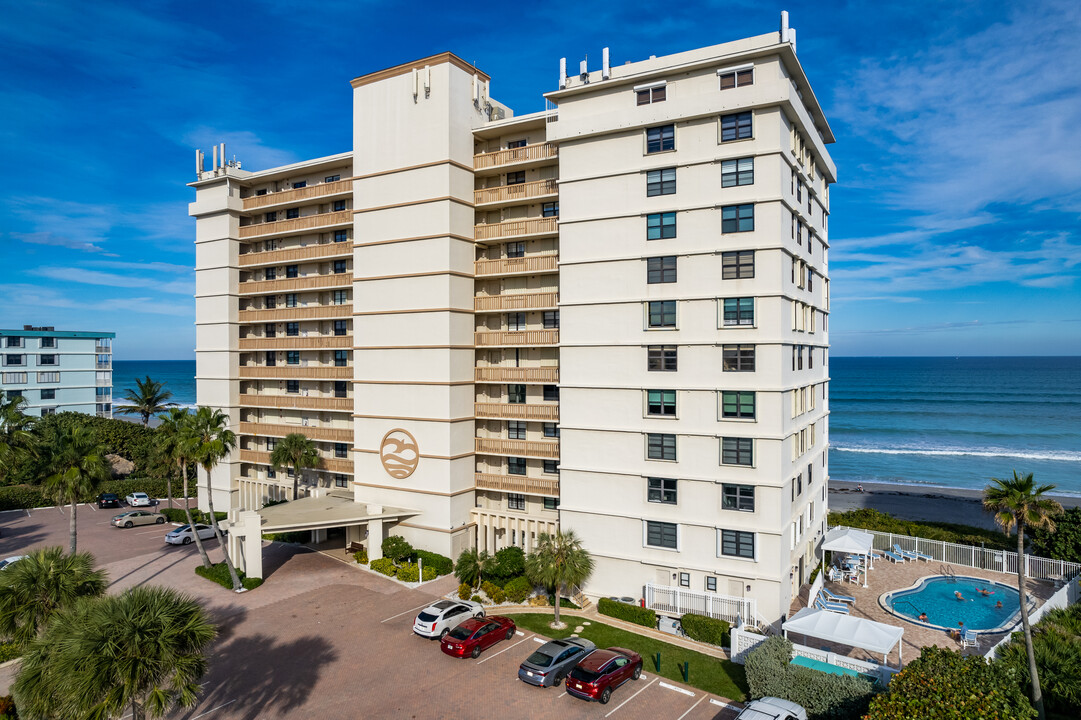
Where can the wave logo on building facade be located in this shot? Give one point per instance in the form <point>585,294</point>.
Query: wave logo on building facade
<point>399,454</point>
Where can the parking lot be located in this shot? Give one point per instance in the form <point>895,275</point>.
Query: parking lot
<point>323,639</point>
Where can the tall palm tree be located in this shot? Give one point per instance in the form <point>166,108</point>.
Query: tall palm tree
<point>472,566</point>
<point>211,441</point>
<point>176,440</point>
<point>79,466</point>
<point>17,440</point>
<point>1019,503</point>
<point>558,561</point>
<point>147,398</point>
<point>142,652</point>
<point>41,584</point>
<point>297,452</point>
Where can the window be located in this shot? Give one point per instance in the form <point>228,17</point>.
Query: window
<point>661,402</point>
<point>292,213</point>
<point>300,184</point>
<point>738,358</point>
<point>261,191</point>
<point>737,404</point>
<point>332,178</point>
<point>46,377</point>
<point>737,497</point>
<point>339,266</point>
<point>18,378</point>
<point>339,205</point>
<point>661,358</point>
<point>271,216</point>
<point>292,271</point>
<point>271,358</point>
<point>661,270</point>
<point>270,302</point>
<point>515,321</point>
<point>736,543</point>
<point>341,297</point>
<point>684,579</point>
<point>663,535</point>
<point>661,182</point>
<point>340,388</point>
<point>660,226</point>
<point>738,311</point>
<point>551,319</point>
<point>737,218</point>
<point>551,430</point>
<point>16,342</point>
<point>341,235</point>
<point>660,446</point>
<point>292,329</point>
<point>270,273</point>
<point>515,501</point>
<point>13,360</point>
<point>661,490</point>
<point>659,139</point>
<point>515,250</point>
<point>516,394</point>
<point>291,300</point>
<point>736,127</point>
<point>511,144</point>
<point>651,95</point>
<point>550,209</point>
<point>737,172</point>
<point>47,360</point>
<point>737,265</point>
<point>292,386</point>
<point>270,330</point>
<point>340,480</point>
<point>47,342</point>
<point>270,473</point>
<point>736,78</point>
<point>51,411</point>
<point>516,466</point>
<point>12,394</point>
<point>737,451</point>
<point>551,393</point>
<point>341,450</point>
<point>292,357</point>
<point>339,327</point>
<point>551,467</point>
<point>711,584</point>
<point>341,358</point>
<point>662,314</point>
<point>551,503</point>
<point>516,178</point>
<point>516,430</point>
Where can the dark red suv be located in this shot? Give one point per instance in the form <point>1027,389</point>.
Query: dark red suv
<point>602,671</point>
<point>476,634</point>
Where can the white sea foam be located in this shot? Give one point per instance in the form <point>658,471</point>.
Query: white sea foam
<point>1058,455</point>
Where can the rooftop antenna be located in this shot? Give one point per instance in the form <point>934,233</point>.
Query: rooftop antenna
<point>606,69</point>
<point>562,73</point>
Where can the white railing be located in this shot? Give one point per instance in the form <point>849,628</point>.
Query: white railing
<point>677,601</point>
<point>1068,594</point>
<point>816,587</point>
<point>744,642</point>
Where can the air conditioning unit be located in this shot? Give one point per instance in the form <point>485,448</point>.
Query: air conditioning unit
<point>496,113</point>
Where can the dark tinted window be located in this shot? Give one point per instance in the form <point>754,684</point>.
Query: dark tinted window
<point>539,659</point>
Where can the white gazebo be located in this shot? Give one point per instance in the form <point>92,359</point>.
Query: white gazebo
<point>847,630</point>
<point>851,541</point>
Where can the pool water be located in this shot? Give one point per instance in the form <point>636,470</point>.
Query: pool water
<point>937,597</point>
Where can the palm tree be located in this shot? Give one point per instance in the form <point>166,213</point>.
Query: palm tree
<point>175,439</point>
<point>147,398</point>
<point>1019,502</point>
<point>142,652</point>
<point>17,440</point>
<point>297,452</point>
<point>472,566</point>
<point>79,467</point>
<point>211,442</point>
<point>558,561</point>
<point>41,584</point>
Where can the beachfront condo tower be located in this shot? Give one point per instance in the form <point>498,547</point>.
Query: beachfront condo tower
<point>609,316</point>
<point>58,370</point>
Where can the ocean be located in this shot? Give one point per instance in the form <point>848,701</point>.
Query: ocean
<point>178,376</point>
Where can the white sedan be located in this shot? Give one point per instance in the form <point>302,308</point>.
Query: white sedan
<point>138,499</point>
<point>184,536</point>
<point>436,620</point>
<point>9,561</point>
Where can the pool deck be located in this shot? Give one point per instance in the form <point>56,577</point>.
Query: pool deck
<point>888,576</point>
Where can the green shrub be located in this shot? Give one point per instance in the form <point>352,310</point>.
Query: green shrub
<point>509,564</point>
<point>767,667</point>
<point>871,519</point>
<point>499,597</point>
<point>518,589</point>
<point>361,556</point>
<point>476,599</point>
<point>220,574</point>
<point>705,629</point>
<point>9,651</point>
<point>464,591</point>
<point>441,564</point>
<point>429,574</point>
<point>408,573</point>
<point>384,565</point>
<point>396,548</point>
<point>824,696</point>
<point>21,497</point>
<point>563,603</point>
<point>1062,543</point>
<point>489,588</point>
<point>299,536</point>
<point>175,515</point>
<point>631,613</point>
<point>1056,642</point>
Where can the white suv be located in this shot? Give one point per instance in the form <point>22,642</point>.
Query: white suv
<point>437,620</point>
<point>771,708</point>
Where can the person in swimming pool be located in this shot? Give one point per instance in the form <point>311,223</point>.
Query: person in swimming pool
<point>957,594</point>
<point>923,617</point>
<point>998,605</point>
<point>985,592</point>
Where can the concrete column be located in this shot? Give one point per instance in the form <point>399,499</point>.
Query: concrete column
<point>375,539</point>
<point>246,542</point>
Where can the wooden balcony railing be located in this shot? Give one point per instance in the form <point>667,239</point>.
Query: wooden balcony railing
<point>549,375</point>
<point>541,262</point>
<point>284,285</point>
<point>514,193</point>
<point>520,301</point>
<point>287,372</point>
<point>516,228</point>
<point>312,312</point>
<point>330,464</point>
<point>546,449</point>
<point>308,222</point>
<point>537,151</point>
<point>326,434</point>
<point>309,252</point>
<point>515,338</point>
<point>310,192</point>
<point>312,342</point>
<point>301,402</point>
<point>517,484</point>
<point>516,411</point>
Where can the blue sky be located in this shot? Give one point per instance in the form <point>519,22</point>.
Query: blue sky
<point>955,222</point>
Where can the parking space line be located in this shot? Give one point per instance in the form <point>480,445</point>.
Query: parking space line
<point>538,640</point>
<point>147,532</point>
<point>632,697</point>
<point>519,632</point>
<point>564,693</point>
<point>418,607</point>
<point>692,707</point>
<point>502,651</point>
<point>213,709</point>
<point>715,701</point>
<point>677,689</point>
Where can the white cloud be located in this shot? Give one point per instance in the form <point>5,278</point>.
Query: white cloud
<point>245,145</point>
<point>33,296</point>
<point>96,277</point>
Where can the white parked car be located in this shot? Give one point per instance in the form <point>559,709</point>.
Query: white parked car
<point>437,620</point>
<point>10,561</point>
<point>138,499</point>
<point>184,536</point>
<point>771,708</point>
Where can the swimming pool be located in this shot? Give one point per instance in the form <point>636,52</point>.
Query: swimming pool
<point>937,596</point>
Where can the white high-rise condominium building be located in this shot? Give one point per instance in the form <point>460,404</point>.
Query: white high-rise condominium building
<point>609,317</point>
<point>58,370</point>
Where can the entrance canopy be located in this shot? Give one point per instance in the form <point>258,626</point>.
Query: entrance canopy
<point>846,630</point>
<point>848,540</point>
<point>333,509</point>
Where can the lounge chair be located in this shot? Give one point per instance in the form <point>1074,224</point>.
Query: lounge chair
<point>970,639</point>
<point>894,556</point>
<point>830,597</point>
<point>911,554</point>
<point>831,606</point>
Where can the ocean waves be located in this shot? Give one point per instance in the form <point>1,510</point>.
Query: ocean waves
<point>1048,455</point>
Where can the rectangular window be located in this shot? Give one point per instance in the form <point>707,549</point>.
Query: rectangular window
<point>661,270</point>
<point>661,358</point>
<point>271,358</point>
<point>47,360</point>
<point>662,490</point>
<point>511,144</point>
<point>292,386</point>
<point>711,584</point>
<point>660,446</point>
<point>516,430</point>
<point>736,78</point>
<point>292,213</point>
<point>12,394</point>
<point>261,191</point>
<point>737,543</point>
<point>738,311</point>
<point>292,271</point>
<point>516,394</point>
<point>737,265</point>
<point>661,182</point>
<point>551,319</point>
<point>737,218</point>
<point>16,342</point>
<point>341,358</point>
<point>551,503</point>
<point>551,430</point>
<point>52,411</point>
<point>661,402</point>
<point>738,358</point>
<point>341,235</point>
<point>662,535</point>
<point>270,473</point>
<point>271,216</point>
<point>292,357</point>
<point>45,377</point>
<point>662,314</point>
<point>515,250</point>
<point>737,497</point>
<point>339,205</point>
<point>18,378</point>
<point>736,127</point>
<point>684,579</point>
<point>551,467</point>
<point>340,388</point>
<point>270,330</point>
<point>737,451</point>
<point>515,501</point>
<point>516,321</point>
<point>300,184</point>
<point>516,178</point>
<point>270,273</point>
<point>340,327</point>
<point>14,360</point>
<point>737,404</point>
<point>339,267</point>
<point>551,393</point>
<point>660,226</point>
<point>659,139</point>
<point>737,172</point>
<point>290,300</point>
<point>332,178</point>
<point>47,342</point>
<point>341,297</point>
<point>341,450</point>
<point>651,95</point>
<point>341,480</point>
<point>550,209</point>
<point>270,302</point>
<point>292,329</point>
<point>516,466</point>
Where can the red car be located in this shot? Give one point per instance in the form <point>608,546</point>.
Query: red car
<point>476,634</point>
<point>602,671</point>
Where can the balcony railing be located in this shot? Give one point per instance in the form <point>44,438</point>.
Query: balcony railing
<point>515,338</point>
<point>326,434</point>
<point>312,342</point>
<point>329,464</point>
<point>284,197</point>
<point>541,262</point>
<point>537,151</point>
<point>309,372</point>
<point>103,365</point>
<point>296,225</point>
<point>308,252</point>
<point>293,400</point>
<point>517,484</point>
<point>282,285</point>
<point>547,375</point>
<point>520,301</point>
<point>516,193</point>
<point>516,411</point>
<point>311,312</point>
<point>545,449</point>
<point>516,228</point>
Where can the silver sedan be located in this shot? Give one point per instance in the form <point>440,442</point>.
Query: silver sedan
<point>551,662</point>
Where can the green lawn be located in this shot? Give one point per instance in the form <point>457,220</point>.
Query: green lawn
<point>721,677</point>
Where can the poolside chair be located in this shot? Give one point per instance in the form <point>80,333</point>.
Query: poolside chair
<point>834,574</point>
<point>911,554</point>
<point>894,557</point>
<point>831,606</point>
<point>830,597</point>
<point>970,639</point>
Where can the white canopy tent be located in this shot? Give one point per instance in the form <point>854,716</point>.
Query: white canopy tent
<point>851,541</point>
<point>848,630</point>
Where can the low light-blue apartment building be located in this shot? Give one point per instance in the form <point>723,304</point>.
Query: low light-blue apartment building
<point>58,370</point>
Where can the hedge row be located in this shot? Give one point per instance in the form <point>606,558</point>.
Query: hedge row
<point>197,516</point>
<point>631,613</point>
<point>871,519</point>
<point>824,696</point>
<point>441,564</point>
<point>219,573</point>
<point>26,497</point>
<point>705,629</point>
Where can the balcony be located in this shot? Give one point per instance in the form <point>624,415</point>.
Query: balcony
<point>517,229</point>
<point>289,372</point>
<point>516,194</point>
<point>309,252</point>
<point>520,301</point>
<point>312,342</point>
<point>292,197</point>
<point>311,312</point>
<point>531,264</point>
<point>517,484</point>
<point>515,338</point>
<point>98,349</point>
<point>104,382</point>
<point>99,365</point>
<point>296,226</point>
<point>530,155</point>
<point>328,464</point>
<point>282,285</point>
<point>495,374</point>
<point>548,412</point>
<point>289,401</point>
<point>544,449</point>
<point>326,434</point>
